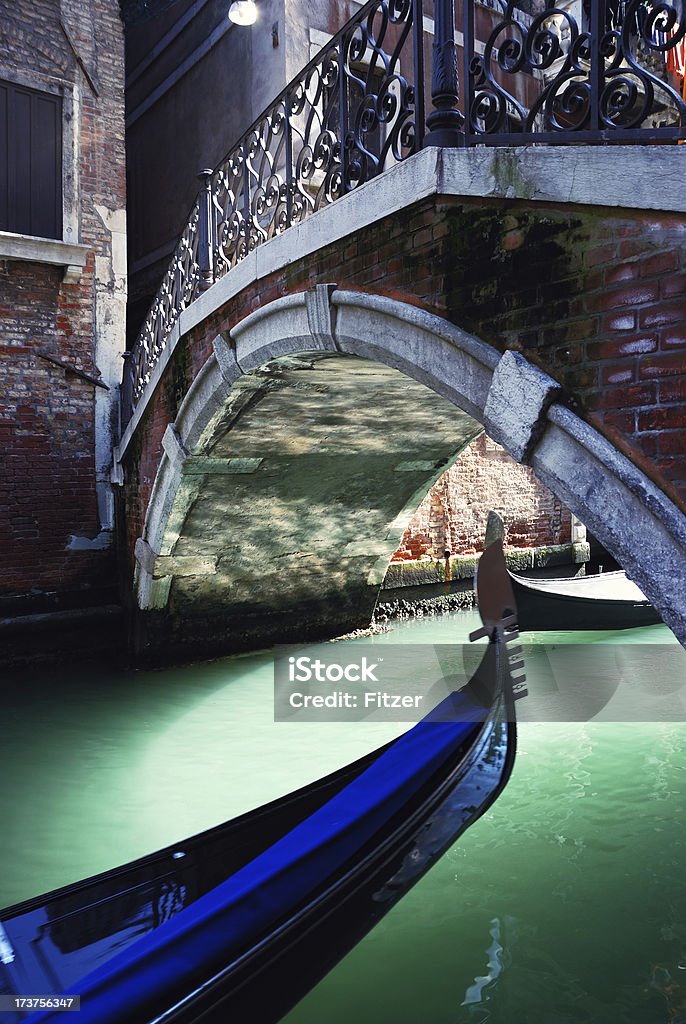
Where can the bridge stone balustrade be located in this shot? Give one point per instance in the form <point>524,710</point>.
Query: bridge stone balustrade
<point>307,400</point>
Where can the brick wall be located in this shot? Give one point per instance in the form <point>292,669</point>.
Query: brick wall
<point>48,416</point>
<point>453,515</point>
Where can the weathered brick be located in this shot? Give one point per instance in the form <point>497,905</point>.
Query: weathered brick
<point>624,422</point>
<point>673,442</point>
<point>621,272</point>
<point>634,247</point>
<point>665,313</point>
<point>600,254</point>
<point>619,322</point>
<point>673,337</point>
<point>620,374</point>
<point>618,347</point>
<point>658,264</point>
<point>628,296</point>
<point>672,390</point>
<point>623,396</point>
<point>673,285</point>
<point>662,365</point>
<point>671,417</point>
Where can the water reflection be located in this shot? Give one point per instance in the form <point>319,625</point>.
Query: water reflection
<point>582,871</point>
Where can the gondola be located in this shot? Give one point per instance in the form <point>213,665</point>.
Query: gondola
<point>607,601</point>
<point>240,922</point>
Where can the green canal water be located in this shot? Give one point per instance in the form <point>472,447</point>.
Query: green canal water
<point>565,904</point>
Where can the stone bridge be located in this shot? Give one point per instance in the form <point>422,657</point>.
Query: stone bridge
<point>305,402</point>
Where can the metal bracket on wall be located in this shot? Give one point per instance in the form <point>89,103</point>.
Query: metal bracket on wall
<point>72,369</point>
<point>90,76</point>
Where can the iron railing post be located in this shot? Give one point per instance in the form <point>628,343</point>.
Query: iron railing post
<point>289,160</point>
<point>343,113</point>
<point>445,123</point>
<point>468,51</point>
<point>246,226</point>
<point>126,391</point>
<point>205,233</point>
<point>418,56</point>
<point>597,75</point>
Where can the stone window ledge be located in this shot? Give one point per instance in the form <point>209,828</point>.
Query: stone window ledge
<point>45,250</point>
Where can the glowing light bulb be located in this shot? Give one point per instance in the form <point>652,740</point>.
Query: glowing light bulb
<point>243,12</point>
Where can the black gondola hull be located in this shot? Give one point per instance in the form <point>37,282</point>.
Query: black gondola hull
<point>550,610</point>
<point>266,985</point>
<point>272,974</point>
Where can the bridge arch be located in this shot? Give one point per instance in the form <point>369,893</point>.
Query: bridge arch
<point>442,385</point>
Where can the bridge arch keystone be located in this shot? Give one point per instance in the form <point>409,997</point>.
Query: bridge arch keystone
<point>280,328</point>
<point>518,399</point>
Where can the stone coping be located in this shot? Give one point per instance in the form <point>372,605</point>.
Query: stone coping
<point>32,249</point>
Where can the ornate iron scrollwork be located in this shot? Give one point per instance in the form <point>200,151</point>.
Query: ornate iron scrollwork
<point>575,69</point>
<point>177,291</point>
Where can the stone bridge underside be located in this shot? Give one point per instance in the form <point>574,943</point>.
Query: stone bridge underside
<point>282,524</point>
<point>289,451</point>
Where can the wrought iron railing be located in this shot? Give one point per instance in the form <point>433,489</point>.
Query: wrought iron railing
<point>575,71</point>
<point>500,73</point>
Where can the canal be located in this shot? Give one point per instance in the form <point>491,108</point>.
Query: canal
<point>566,903</point>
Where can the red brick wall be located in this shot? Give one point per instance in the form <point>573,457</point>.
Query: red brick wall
<point>47,474</point>
<point>47,471</point>
<point>453,515</point>
<point>594,296</point>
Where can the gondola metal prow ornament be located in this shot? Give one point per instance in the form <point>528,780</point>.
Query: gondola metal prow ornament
<point>496,600</point>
